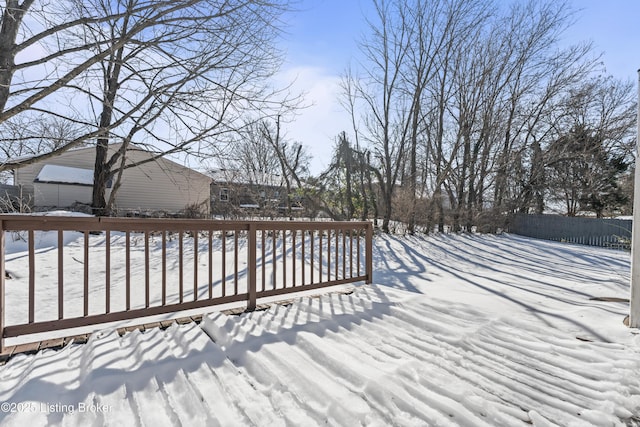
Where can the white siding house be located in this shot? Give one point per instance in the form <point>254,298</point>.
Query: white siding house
<point>158,185</point>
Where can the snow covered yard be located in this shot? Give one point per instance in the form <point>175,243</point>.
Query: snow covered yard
<point>458,330</point>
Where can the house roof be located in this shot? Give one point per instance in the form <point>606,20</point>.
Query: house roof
<point>131,148</point>
<point>135,147</point>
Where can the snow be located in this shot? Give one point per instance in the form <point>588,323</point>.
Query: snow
<point>65,175</point>
<point>458,330</point>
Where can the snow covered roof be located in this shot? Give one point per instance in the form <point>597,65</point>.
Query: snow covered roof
<point>65,175</point>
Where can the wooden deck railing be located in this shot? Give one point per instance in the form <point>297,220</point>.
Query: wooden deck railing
<point>81,271</point>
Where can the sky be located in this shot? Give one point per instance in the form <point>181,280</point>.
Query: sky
<point>321,41</point>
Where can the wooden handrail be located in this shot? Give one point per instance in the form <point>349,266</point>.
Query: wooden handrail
<point>281,257</point>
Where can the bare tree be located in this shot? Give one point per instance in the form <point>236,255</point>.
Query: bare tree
<point>292,157</point>
<point>24,136</point>
<point>384,100</point>
<point>262,157</point>
<point>458,101</point>
<point>252,156</point>
<point>410,47</point>
<point>531,60</point>
<point>349,100</point>
<point>434,28</point>
<point>177,73</point>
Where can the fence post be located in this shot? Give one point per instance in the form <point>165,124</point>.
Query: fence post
<point>369,253</point>
<point>2,283</point>
<point>251,267</point>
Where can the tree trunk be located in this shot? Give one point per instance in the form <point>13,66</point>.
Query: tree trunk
<point>100,179</point>
<point>101,171</point>
<point>11,21</point>
<point>347,157</point>
<point>413,169</point>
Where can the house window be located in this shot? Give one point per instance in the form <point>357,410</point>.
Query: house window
<point>224,194</point>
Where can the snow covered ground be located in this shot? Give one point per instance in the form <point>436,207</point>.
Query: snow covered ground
<point>458,330</point>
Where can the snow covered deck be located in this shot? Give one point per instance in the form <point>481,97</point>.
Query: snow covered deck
<point>458,331</point>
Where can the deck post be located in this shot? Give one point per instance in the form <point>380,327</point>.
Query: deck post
<point>369,253</point>
<point>634,299</point>
<point>251,267</point>
<point>2,283</point>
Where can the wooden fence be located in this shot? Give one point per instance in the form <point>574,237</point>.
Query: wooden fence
<point>14,198</point>
<point>81,271</point>
<point>605,232</point>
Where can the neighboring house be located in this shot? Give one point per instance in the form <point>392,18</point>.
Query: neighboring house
<point>160,185</point>
<point>233,194</point>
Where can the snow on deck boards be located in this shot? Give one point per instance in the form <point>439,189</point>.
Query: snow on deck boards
<point>58,343</point>
<point>378,356</point>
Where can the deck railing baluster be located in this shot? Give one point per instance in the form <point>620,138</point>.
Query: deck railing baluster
<point>61,275</point>
<point>291,280</point>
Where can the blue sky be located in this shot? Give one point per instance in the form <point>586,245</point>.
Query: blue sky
<point>612,25</point>
<point>325,32</point>
<point>322,39</point>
